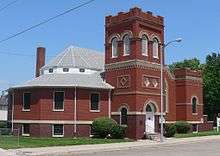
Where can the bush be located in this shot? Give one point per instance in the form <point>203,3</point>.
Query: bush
<point>3,124</point>
<point>118,132</point>
<point>182,127</point>
<point>170,130</point>
<point>102,127</point>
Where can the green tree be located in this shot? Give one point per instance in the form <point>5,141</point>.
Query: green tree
<point>187,63</point>
<point>211,79</point>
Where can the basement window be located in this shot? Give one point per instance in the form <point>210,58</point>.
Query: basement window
<point>58,101</point>
<point>58,130</point>
<point>51,70</point>
<point>26,129</point>
<point>26,101</point>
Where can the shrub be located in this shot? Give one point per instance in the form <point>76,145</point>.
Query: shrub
<point>182,127</point>
<point>118,132</point>
<point>102,127</point>
<point>3,124</point>
<point>170,130</point>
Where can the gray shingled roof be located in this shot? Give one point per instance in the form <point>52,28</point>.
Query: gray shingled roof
<point>67,80</point>
<point>77,57</point>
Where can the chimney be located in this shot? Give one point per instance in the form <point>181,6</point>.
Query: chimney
<point>40,60</point>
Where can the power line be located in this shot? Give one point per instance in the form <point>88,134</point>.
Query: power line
<point>46,21</point>
<point>7,5</point>
<point>22,55</point>
<point>16,54</point>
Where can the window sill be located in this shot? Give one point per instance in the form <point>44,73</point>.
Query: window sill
<point>27,135</point>
<point>155,57</point>
<point>114,57</point>
<point>194,113</point>
<point>58,110</point>
<point>58,136</point>
<point>26,110</point>
<point>144,54</point>
<point>126,54</point>
<point>95,111</point>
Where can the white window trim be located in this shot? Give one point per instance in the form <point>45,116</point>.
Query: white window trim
<point>25,110</point>
<point>25,134</point>
<point>57,136</point>
<point>58,110</point>
<point>90,104</point>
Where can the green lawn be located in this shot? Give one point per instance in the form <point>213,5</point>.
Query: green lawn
<point>9,142</point>
<point>207,133</point>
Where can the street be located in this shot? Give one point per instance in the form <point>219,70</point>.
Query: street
<point>199,148</point>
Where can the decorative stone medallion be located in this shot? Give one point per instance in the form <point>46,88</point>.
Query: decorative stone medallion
<point>150,82</point>
<point>123,81</point>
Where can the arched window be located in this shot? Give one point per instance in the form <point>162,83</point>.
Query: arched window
<point>123,117</point>
<point>155,48</point>
<point>144,45</point>
<point>114,47</point>
<point>126,41</point>
<point>149,109</point>
<point>194,104</point>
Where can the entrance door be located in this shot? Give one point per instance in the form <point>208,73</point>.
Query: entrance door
<point>150,119</point>
<point>149,122</point>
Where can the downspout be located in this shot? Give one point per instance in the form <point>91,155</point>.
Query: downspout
<point>75,111</point>
<point>109,103</point>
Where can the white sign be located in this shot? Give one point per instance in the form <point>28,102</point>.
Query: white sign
<point>218,124</point>
<point>163,120</point>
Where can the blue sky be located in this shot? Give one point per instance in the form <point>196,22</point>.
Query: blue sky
<point>196,21</point>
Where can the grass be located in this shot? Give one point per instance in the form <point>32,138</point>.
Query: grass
<point>199,134</point>
<point>11,142</point>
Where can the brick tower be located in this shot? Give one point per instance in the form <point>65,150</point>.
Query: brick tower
<point>133,44</point>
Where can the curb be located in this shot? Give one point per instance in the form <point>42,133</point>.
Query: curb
<point>79,149</point>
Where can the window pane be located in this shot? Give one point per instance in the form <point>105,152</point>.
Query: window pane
<point>114,47</point>
<point>94,101</point>
<point>194,103</point>
<point>126,45</point>
<point>27,100</point>
<point>144,45</point>
<point>59,98</point>
<point>123,116</point>
<point>26,129</point>
<point>155,48</point>
<point>58,129</point>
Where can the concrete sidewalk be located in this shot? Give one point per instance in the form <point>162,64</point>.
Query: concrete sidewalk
<point>67,150</point>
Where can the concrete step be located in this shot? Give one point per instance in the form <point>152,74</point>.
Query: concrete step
<point>153,136</point>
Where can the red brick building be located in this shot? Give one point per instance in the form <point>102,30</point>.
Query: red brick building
<point>80,85</point>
